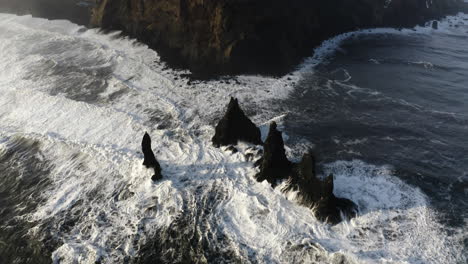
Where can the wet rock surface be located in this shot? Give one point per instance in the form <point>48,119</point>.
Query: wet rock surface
<point>317,193</point>
<point>274,165</point>
<point>149,158</point>
<point>313,192</point>
<point>235,126</point>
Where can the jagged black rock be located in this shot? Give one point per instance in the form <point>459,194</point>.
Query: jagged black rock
<point>318,193</point>
<point>312,191</point>
<point>274,164</point>
<point>235,126</point>
<point>149,158</point>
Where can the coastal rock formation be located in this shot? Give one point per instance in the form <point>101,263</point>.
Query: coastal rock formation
<point>149,158</point>
<point>312,192</point>
<point>235,126</point>
<point>318,193</point>
<point>274,164</point>
<point>253,36</point>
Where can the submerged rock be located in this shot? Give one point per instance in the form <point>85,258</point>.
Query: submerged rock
<point>318,193</point>
<point>435,25</point>
<point>274,164</point>
<point>236,126</point>
<point>149,158</point>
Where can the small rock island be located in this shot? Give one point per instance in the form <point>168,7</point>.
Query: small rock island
<point>236,126</point>
<point>149,158</point>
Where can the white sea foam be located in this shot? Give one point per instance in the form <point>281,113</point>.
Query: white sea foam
<point>93,140</point>
<point>450,25</point>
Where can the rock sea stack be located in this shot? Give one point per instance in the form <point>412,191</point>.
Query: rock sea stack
<point>235,126</point>
<point>149,158</point>
<point>274,165</point>
<point>313,192</point>
<point>318,193</point>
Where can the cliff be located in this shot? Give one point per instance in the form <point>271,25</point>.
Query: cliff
<point>236,36</point>
<point>253,36</point>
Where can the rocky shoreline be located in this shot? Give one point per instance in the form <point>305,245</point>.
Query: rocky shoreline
<point>254,36</point>
<point>224,37</point>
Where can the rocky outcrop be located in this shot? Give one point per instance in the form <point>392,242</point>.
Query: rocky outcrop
<point>274,165</point>
<point>318,193</point>
<point>258,36</point>
<point>235,126</point>
<point>312,191</point>
<point>149,158</point>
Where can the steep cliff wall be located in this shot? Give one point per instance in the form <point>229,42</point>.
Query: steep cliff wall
<point>260,36</point>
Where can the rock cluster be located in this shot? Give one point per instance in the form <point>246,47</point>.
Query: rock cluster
<point>236,126</point>
<point>312,192</point>
<point>274,166</point>
<point>258,36</point>
<point>318,193</point>
<point>149,158</point>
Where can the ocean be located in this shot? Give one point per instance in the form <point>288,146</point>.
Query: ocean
<point>384,110</point>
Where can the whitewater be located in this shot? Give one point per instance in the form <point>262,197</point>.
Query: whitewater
<point>74,105</point>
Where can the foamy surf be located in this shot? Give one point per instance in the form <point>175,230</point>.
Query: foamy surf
<point>101,203</point>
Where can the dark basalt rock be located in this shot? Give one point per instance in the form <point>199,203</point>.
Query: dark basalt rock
<point>313,192</point>
<point>236,126</point>
<point>149,158</point>
<point>254,36</point>
<point>318,193</point>
<point>435,25</point>
<point>274,164</point>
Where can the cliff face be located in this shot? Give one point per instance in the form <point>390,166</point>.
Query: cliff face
<point>260,36</point>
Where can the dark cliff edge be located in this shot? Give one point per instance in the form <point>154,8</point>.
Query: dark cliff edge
<point>224,37</point>
<point>212,37</point>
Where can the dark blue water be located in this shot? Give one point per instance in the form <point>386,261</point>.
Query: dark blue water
<point>399,100</point>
